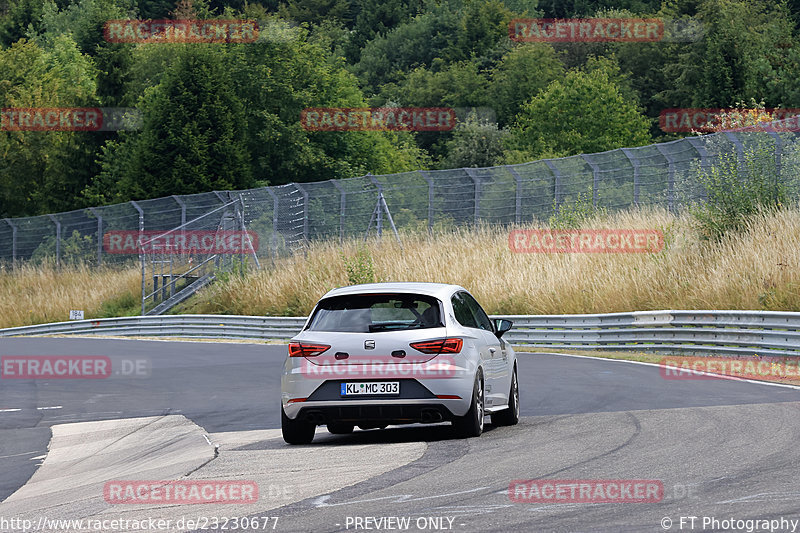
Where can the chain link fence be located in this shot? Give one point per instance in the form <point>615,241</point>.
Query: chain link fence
<point>285,218</point>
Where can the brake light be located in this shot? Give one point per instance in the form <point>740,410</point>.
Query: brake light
<point>439,346</point>
<point>306,349</point>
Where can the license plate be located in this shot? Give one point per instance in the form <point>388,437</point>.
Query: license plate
<point>371,388</point>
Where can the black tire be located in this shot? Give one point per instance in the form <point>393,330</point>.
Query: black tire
<point>340,428</point>
<point>510,416</point>
<point>471,424</point>
<point>296,431</point>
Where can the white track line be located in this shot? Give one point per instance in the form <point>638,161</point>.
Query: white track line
<point>9,410</point>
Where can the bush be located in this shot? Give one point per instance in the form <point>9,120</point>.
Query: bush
<point>738,190</point>
<point>360,268</point>
<point>576,214</point>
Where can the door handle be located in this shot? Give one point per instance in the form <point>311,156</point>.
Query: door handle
<point>492,350</point>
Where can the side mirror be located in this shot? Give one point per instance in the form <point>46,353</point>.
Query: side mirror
<point>501,325</point>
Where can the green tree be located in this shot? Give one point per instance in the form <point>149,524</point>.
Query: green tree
<point>378,17</point>
<point>583,113</point>
<point>451,31</point>
<point>43,171</point>
<point>84,21</point>
<point>315,11</point>
<point>476,143</point>
<point>192,138</point>
<point>519,76</point>
<point>278,80</point>
<point>749,51</point>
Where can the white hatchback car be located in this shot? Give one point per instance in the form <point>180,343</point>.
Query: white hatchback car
<point>398,353</point>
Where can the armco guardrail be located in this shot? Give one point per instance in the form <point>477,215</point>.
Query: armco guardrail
<point>197,326</point>
<point>678,332</point>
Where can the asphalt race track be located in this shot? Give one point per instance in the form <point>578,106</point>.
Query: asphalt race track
<point>721,449</point>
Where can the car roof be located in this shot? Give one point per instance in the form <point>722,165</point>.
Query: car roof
<point>439,290</point>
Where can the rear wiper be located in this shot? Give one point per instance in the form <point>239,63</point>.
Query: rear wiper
<point>391,325</point>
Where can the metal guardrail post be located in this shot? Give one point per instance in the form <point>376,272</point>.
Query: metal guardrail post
<point>342,208</point>
<point>13,241</point>
<point>476,183</point>
<point>517,194</point>
<point>58,239</point>
<point>556,181</point>
<point>635,163</point>
<point>595,177</point>
<point>141,250</point>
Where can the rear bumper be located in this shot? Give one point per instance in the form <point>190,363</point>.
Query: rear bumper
<point>417,402</point>
<point>372,414</point>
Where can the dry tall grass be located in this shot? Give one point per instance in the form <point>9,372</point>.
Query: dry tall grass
<point>33,295</point>
<point>756,270</point>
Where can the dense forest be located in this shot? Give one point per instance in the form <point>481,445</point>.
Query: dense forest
<point>216,116</point>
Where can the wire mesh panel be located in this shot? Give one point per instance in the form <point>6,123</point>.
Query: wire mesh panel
<point>286,218</point>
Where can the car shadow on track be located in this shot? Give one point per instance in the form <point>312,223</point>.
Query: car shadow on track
<point>390,435</point>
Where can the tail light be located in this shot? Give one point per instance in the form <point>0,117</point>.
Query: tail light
<point>306,349</point>
<point>439,346</point>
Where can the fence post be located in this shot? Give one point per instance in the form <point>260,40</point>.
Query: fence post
<point>595,177</point>
<point>697,144</point>
<point>13,242</point>
<point>430,200</point>
<point>778,162</point>
<point>635,164</point>
<point>342,207</point>
<point>378,212</point>
<point>58,240</point>
<point>182,204</point>
<point>99,217</point>
<point>222,198</point>
<point>305,210</point>
<point>671,178</point>
<point>739,148</point>
<point>476,183</point>
<point>141,250</point>
<point>556,181</point>
<point>517,194</point>
<point>275,206</point>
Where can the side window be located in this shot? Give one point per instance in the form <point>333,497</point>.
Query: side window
<point>463,312</point>
<point>480,315</point>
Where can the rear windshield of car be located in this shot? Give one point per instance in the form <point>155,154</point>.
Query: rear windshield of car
<point>369,313</point>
